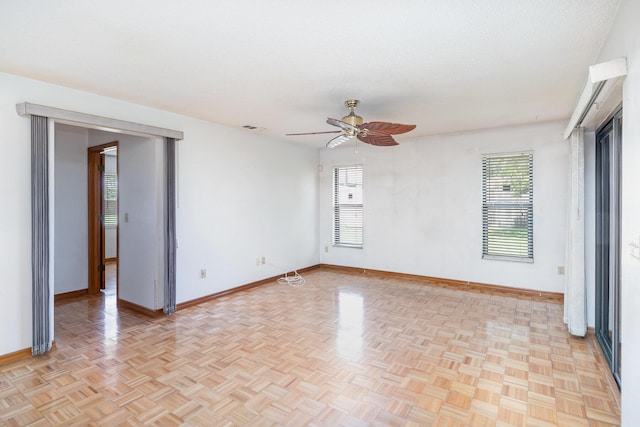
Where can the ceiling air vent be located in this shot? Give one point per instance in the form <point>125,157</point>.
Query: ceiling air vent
<point>255,129</point>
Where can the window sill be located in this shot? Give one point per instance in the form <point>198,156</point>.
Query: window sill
<point>344,245</point>
<point>508,258</point>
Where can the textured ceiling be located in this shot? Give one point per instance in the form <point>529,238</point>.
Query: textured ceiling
<point>285,66</point>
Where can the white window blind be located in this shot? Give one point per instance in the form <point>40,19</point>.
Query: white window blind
<point>507,206</point>
<point>110,200</point>
<point>347,203</point>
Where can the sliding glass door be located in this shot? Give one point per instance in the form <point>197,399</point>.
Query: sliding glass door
<point>608,151</point>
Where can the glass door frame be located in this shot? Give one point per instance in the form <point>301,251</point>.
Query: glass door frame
<point>608,174</point>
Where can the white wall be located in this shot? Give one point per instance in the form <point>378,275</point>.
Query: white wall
<point>237,203</point>
<point>70,208</point>
<point>422,206</point>
<point>15,223</point>
<point>624,40</point>
<point>111,233</point>
<point>141,221</point>
<point>140,215</point>
<point>240,196</point>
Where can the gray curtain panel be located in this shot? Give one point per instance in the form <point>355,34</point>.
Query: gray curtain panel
<point>40,234</point>
<point>170,229</point>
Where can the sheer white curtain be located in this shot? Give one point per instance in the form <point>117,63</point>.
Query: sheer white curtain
<point>575,295</point>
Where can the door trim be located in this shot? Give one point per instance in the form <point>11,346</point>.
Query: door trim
<point>95,224</point>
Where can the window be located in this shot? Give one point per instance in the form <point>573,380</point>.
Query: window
<point>347,206</point>
<point>507,206</point>
<point>110,200</point>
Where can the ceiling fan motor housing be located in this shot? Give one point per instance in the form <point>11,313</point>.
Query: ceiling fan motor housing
<point>352,118</point>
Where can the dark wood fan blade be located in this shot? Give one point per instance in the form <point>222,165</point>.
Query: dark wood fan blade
<point>312,133</point>
<point>382,140</point>
<point>338,140</point>
<point>386,128</point>
<point>342,125</point>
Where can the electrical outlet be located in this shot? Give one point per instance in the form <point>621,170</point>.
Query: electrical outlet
<point>635,247</point>
<point>258,261</point>
<point>326,249</point>
<point>561,270</point>
<point>263,260</point>
<point>203,273</point>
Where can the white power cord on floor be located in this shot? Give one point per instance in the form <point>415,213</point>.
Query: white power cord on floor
<point>295,280</point>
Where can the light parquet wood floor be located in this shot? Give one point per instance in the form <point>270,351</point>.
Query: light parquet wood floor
<point>341,350</point>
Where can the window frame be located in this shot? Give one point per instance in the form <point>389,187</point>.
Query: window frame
<point>501,208</point>
<point>357,208</point>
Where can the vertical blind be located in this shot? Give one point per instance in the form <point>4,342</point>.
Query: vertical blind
<point>347,205</point>
<point>507,206</point>
<point>41,295</point>
<point>170,242</point>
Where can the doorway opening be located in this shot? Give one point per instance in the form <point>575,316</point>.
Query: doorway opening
<point>103,228</point>
<point>110,222</point>
<point>608,178</point>
<point>59,253</point>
